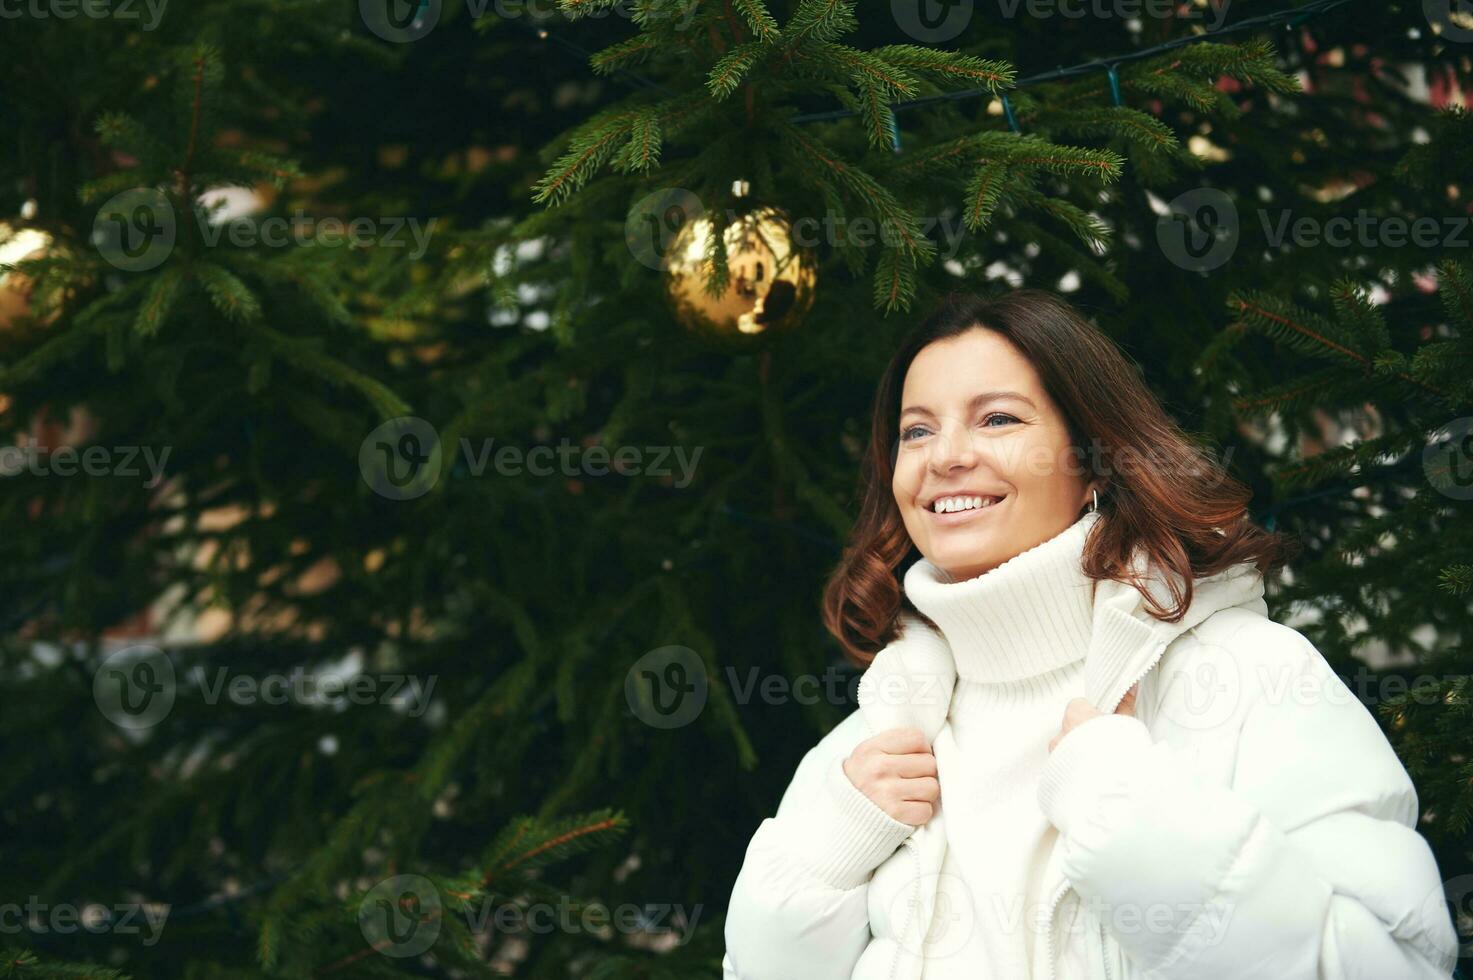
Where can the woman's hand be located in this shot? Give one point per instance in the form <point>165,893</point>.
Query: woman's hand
<point>1079,711</point>
<point>897,771</point>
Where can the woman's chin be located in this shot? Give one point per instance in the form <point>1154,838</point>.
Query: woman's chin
<point>962,562</point>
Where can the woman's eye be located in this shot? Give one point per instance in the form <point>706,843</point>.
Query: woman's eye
<point>916,431</point>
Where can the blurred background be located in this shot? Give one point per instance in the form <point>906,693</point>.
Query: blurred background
<point>427,427</point>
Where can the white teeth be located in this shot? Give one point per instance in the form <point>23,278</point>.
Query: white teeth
<point>950,505</point>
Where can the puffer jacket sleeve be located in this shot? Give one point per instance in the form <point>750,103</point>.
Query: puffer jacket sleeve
<point>798,908</point>
<point>1307,867</point>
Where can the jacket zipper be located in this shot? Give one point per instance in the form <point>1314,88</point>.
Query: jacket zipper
<point>1054,906</point>
<point>1049,940</point>
<point>1048,932</point>
<point>909,845</point>
<point>1150,666</point>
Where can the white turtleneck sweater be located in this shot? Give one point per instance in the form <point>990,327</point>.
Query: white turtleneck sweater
<point>1019,634</point>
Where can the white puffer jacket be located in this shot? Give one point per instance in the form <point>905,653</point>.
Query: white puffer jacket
<point>1250,822</point>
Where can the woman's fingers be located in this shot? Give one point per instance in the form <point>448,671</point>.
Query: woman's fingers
<point>897,771</point>
<point>1127,703</point>
<point>901,741</point>
<point>916,764</point>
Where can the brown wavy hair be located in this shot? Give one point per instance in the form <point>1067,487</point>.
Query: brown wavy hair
<point>1159,490</point>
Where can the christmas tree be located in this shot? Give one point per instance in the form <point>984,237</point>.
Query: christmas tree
<point>405,396</point>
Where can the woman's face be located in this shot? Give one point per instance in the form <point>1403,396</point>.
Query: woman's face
<point>975,421</point>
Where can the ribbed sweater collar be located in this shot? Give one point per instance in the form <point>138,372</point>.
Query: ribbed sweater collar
<point>1029,616</point>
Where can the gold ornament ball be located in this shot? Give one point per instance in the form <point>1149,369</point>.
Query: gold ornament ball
<point>16,287</point>
<point>770,284</point>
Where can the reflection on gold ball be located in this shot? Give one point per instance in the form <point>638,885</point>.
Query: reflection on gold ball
<point>16,287</point>
<point>770,284</point>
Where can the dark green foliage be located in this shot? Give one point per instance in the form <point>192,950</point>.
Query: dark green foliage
<point>526,322</point>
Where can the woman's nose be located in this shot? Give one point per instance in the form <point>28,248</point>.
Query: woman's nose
<point>953,447</point>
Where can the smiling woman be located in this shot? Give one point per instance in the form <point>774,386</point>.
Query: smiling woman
<point>966,514</point>
<point>1022,401</point>
<point>1040,552</point>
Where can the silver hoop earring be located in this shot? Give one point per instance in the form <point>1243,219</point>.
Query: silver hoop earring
<point>1096,505</point>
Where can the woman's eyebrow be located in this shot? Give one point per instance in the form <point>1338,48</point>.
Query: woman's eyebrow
<point>974,402</point>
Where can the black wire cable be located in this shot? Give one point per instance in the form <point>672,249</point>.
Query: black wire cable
<point>1290,18</point>
<point>632,78</point>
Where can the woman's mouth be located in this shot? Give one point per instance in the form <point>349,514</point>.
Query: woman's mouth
<point>960,508</point>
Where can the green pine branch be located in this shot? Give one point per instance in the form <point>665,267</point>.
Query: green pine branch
<point>949,66</point>
<point>819,20</point>
<point>24,965</point>
<point>728,73</point>
<point>758,18</point>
